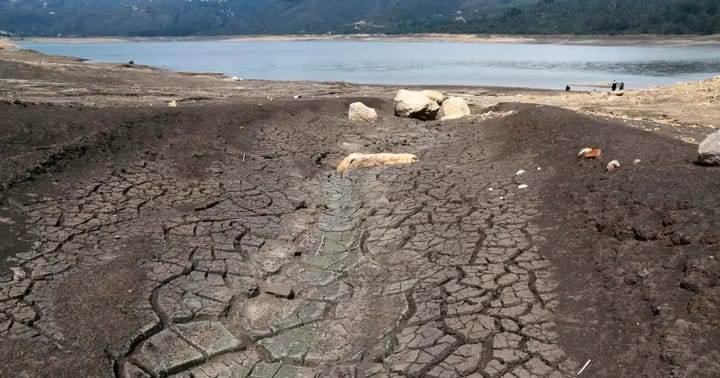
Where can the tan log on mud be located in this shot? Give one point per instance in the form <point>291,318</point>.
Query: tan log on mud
<point>358,160</point>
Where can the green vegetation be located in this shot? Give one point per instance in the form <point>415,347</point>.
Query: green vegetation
<point>218,17</point>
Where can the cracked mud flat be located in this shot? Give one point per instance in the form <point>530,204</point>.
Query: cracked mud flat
<point>215,240</point>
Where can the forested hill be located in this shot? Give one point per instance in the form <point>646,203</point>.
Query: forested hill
<point>225,17</point>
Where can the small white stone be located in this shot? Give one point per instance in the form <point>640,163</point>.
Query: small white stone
<point>18,273</point>
<point>490,189</point>
<point>539,168</point>
<point>613,165</point>
<point>522,186</point>
<point>637,161</point>
<point>520,172</point>
<point>584,151</point>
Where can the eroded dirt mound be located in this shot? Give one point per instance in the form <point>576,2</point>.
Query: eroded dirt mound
<point>636,249</point>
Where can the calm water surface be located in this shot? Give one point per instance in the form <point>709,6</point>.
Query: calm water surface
<point>492,64</point>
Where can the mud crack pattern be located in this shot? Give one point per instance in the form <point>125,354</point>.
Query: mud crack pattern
<point>405,271</point>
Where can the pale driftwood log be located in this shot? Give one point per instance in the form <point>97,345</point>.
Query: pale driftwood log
<point>358,160</point>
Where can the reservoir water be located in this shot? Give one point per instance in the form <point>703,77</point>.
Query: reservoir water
<point>429,63</point>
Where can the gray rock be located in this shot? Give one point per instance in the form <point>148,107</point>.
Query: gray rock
<point>360,112</point>
<point>709,150</point>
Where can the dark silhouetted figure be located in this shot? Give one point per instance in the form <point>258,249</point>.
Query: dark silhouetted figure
<point>131,62</point>
<point>567,88</point>
<point>614,85</point>
<point>622,85</point>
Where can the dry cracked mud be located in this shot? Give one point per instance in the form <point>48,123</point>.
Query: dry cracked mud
<point>216,240</point>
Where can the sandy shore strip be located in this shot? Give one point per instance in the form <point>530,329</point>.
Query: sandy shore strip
<point>600,40</point>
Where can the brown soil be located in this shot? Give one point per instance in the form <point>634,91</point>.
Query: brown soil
<point>635,252</point>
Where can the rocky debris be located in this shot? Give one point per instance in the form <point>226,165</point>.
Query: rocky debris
<point>709,150</point>
<point>436,96</point>
<point>414,104</point>
<point>358,160</point>
<point>453,108</point>
<point>360,112</point>
<point>172,104</point>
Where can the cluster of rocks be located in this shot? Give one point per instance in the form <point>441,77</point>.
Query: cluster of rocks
<point>423,105</point>
<point>429,105</point>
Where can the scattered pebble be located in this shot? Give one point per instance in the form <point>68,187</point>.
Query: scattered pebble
<point>172,104</point>
<point>522,186</point>
<point>539,168</point>
<point>613,165</point>
<point>490,189</point>
<point>520,172</point>
<point>584,151</point>
<point>297,97</point>
<point>637,161</point>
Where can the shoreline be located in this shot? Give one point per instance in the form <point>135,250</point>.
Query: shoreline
<point>595,40</point>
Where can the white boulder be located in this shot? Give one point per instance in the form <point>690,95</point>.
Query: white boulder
<point>453,108</point>
<point>360,112</point>
<point>415,104</point>
<point>709,150</point>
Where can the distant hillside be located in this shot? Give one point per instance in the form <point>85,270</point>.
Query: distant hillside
<point>223,17</point>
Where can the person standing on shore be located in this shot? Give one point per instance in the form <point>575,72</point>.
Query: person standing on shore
<point>614,85</point>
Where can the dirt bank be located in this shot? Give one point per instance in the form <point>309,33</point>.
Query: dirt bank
<point>215,238</point>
